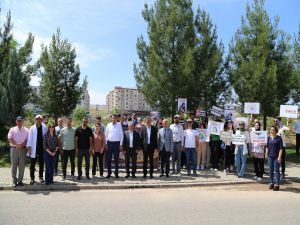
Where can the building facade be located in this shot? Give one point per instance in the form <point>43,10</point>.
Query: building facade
<point>126,100</point>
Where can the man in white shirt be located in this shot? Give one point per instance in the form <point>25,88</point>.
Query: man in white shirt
<point>191,141</point>
<point>114,139</point>
<point>297,131</point>
<point>177,130</point>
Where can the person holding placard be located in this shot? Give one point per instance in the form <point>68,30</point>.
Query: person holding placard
<point>257,152</point>
<point>273,154</point>
<point>281,132</point>
<point>229,150</point>
<point>241,150</point>
<point>297,131</point>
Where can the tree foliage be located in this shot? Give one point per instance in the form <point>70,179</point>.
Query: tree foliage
<point>259,63</point>
<point>166,59</point>
<point>60,89</point>
<point>15,73</point>
<point>296,62</point>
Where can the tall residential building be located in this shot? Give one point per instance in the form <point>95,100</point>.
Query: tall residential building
<point>126,100</point>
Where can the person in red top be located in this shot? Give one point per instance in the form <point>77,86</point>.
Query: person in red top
<point>98,149</point>
<point>17,137</point>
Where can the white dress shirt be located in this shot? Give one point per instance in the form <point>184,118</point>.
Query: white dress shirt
<point>114,132</point>
<point>148,134</point>
<point>130,139</point>
<point>177,130</point>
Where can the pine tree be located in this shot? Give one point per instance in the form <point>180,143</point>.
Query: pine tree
<point>296,74</point>
<point>208,84</point>
<point>60,89</point>
<point>259,65</point>
<point>166,59</point>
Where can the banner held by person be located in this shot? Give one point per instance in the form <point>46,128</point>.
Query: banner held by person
<point>238,139</point>
<point>216,111</point>
<point>182,105</point>
<point>259,137</point>
<point>203,134</point>
<point>226,136</point>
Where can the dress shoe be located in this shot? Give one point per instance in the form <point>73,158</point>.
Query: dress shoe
<point>79,178</point>
<point>144,176</point>
<point>151,176</point>
<point>133,176</point>
<point>42,180</point>
<point>88,177</point>
<point>108,176</point>
<point>20,183</point>
<point>161,175</point>
<point>167,175</point>
<point>14,184</point>
<point>276,188</point>
<point>127,176</point>
<point>116,176</point>
<point>32,182</point>
<point>271,186</point>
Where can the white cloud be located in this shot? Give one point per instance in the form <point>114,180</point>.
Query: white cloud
<point>97,98</point>
<point>87,55</point>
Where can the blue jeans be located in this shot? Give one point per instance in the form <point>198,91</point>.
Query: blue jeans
<point>50,164</point>
<point>240,161</point>
<point>113,149</point>
<point>190,154</point>
<point>274,166</point>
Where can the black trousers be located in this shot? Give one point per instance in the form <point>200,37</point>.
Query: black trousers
<point>165,161</point>
<point>130,154</point>
<point>297,143</point>
<point>215,149</point>
<point>148,154</point>
<point>258,166</point>
<point>58,154</point>
<point>227,157</point>
<point>40,158</point>
<point>283,160</point>
<point>98,157</point>
<point>66,154</point>
<point>86,154</point>
<point>183,159</point>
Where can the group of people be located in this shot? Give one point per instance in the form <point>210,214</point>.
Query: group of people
<point>177,144</point>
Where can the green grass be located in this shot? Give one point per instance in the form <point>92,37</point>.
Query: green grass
<point>291,156</point>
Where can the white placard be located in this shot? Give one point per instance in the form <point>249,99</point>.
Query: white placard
<point>215,127</point>
<point>226,136</point>
<point>289,111</point>
<point>238,139</point>
<point>203,134</point>
<point>182,105</point>
<point>251,107</point>
<point>229,113</point>
<point>216,111</point>
<point>259,137</point>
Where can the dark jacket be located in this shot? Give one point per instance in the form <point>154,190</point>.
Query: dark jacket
<point>153,138</point>
<point>136,140</point>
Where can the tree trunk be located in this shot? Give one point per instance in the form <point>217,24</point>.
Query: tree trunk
<point>265,122</point>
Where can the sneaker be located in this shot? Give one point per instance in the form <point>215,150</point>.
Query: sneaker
<point>255,178</point>
<point>202,167</point>
<point>271,186</point>
<point>259,179</point>
<point>276,188</point>
<point>14,184</point>
<point>215,170</point>
<point>231,168</point>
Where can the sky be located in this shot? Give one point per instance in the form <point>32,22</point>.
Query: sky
<point>104,32</point>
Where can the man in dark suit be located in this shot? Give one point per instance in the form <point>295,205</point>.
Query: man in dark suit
<point>149,145</point>
<point>165,145</point>
<point>131,144</point>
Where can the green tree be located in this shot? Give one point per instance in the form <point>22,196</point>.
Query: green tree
<point>15,73</point>
<point>166,59</point>
<point>60,89</point>
<point>259,64</point>
<point>208,81</point>
<point>79,113</point>
<point>296,62</point>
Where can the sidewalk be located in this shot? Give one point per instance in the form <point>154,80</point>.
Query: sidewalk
<point>204,178</point>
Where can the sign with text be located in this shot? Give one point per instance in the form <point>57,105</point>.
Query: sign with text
<point>215,127</point>
<point>259,137</point>
<point>203,134</point>
<point>216,111</point>
<point>289,111</point>
<point>226,136</point>
<point>251,107</point>
<point>238,139</point>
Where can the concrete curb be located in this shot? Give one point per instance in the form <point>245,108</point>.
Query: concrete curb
<point>71,187</point>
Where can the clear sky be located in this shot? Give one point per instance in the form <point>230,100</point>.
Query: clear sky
<point>104,32</point>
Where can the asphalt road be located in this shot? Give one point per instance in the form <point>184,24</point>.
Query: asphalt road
<point>253,205</point>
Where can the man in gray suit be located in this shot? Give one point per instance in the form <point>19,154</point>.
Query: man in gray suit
<point>165,144</point>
